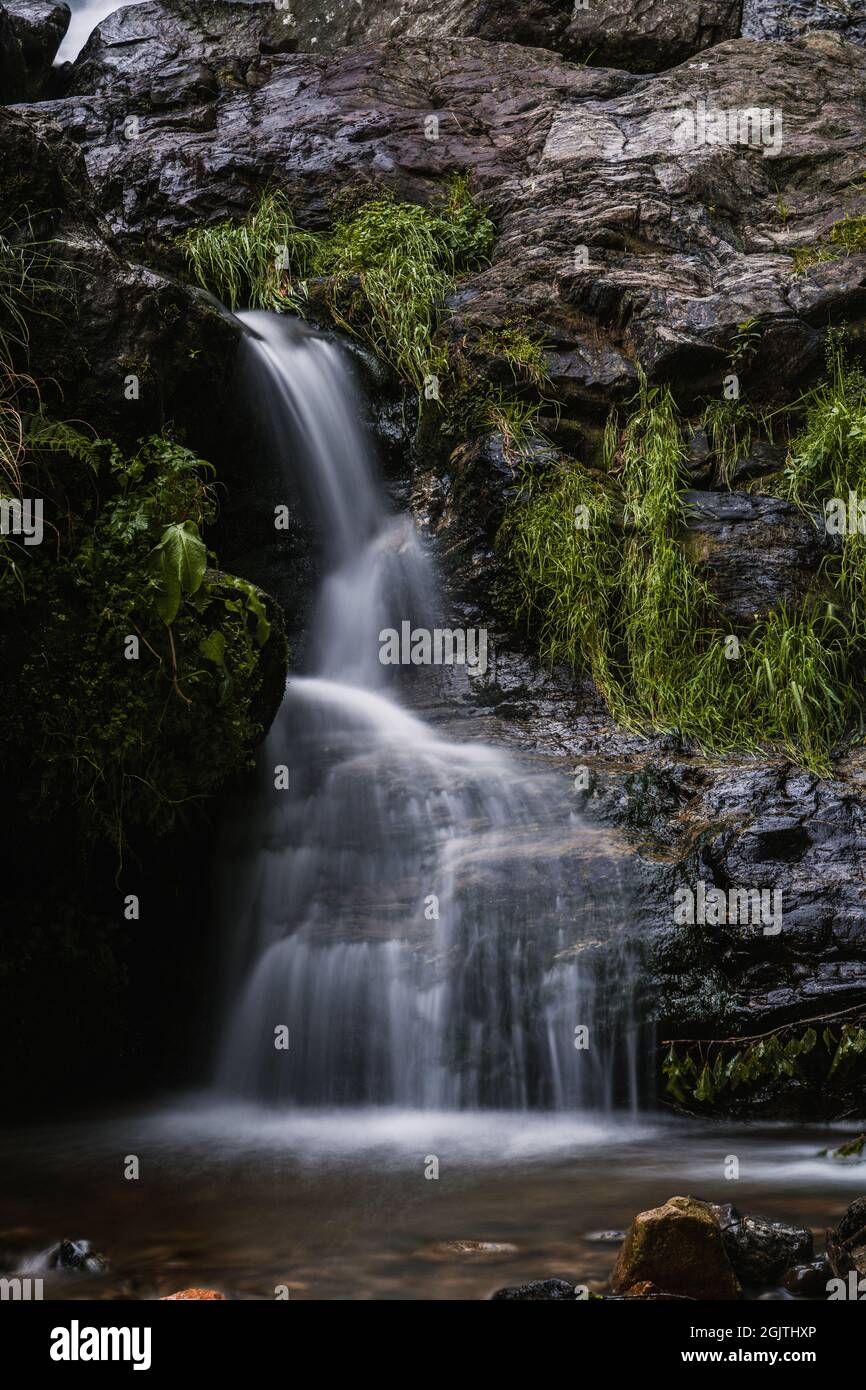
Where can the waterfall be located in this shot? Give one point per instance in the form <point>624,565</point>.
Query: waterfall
<point>430,921</point>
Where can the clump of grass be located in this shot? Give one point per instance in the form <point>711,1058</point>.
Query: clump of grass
<point>523,353</point>
<point>850,233</point>
<point>27,288</point>
<point>247,262</point>
<point>796,687</point>
<point>815,254</point>
<point>620,597</point>
<point>827,459</point>
<point>729,425</point>
<point>563,574</point>
<point>386,268</point>
<point>515,420</point>
<point>662,595</point>
<point>390,269</point>
<point>847,236</point>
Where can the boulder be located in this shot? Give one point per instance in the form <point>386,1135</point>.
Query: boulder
<point>232,33</point>
<point>30,35</point>
<point>761,1251</point>
<point>76,1257</point>
<point>678,1249</point>
<point>178,51</point>
<point>105,321</point>
<point>846,1246</point>
<point>809,1280</point>
<point>789,19</point>
<point>649,36</point>
<point>756,553</point>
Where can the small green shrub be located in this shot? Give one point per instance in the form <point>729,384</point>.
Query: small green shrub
<point>705,1071</point>
<point>122,743</point>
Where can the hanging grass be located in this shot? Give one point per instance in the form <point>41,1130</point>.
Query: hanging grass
<point>827,459</point>
<point>246,263</point>
<point>563,579</point>
<point>729,426</point>
<point>26,288</point>
<point>385,269</point>
<point>618,596</point>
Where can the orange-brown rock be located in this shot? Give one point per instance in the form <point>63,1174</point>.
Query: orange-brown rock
<point>192,1293</point>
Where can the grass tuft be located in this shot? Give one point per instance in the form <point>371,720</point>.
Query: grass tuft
<point>385,268</point>
<point>619,596</point>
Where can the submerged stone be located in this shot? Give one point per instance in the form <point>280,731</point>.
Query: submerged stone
<point>537,1291</point>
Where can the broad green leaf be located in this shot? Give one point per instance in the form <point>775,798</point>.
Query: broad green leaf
<point>178,563</point>
<point>214,647</point>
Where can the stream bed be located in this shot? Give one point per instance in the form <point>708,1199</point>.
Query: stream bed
<point>336,1205</point>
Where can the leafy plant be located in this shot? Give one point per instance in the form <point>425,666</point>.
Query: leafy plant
<point>706,1071</point>
<point>178,561</point>
<point>131,673</point>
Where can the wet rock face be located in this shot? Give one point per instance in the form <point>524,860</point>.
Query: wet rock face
<point>643,37</point>
<point>789,19</point>
<point>30,35</point>
<point>178,50</point>
<point>649,35</point>
<point>677,1249</point>
<point>116,320</point>
<point>756,553</point>
<point>739,823</point>
<point>625,231</point>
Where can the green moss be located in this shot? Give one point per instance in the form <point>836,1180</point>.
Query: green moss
<point>850,233</point>
<point>122,742</point>
<point>847,236</point>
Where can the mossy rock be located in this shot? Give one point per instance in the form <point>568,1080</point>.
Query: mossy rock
<point>678,1249</point>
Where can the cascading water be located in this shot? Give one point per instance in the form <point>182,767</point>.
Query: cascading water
<point>430,920</point>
